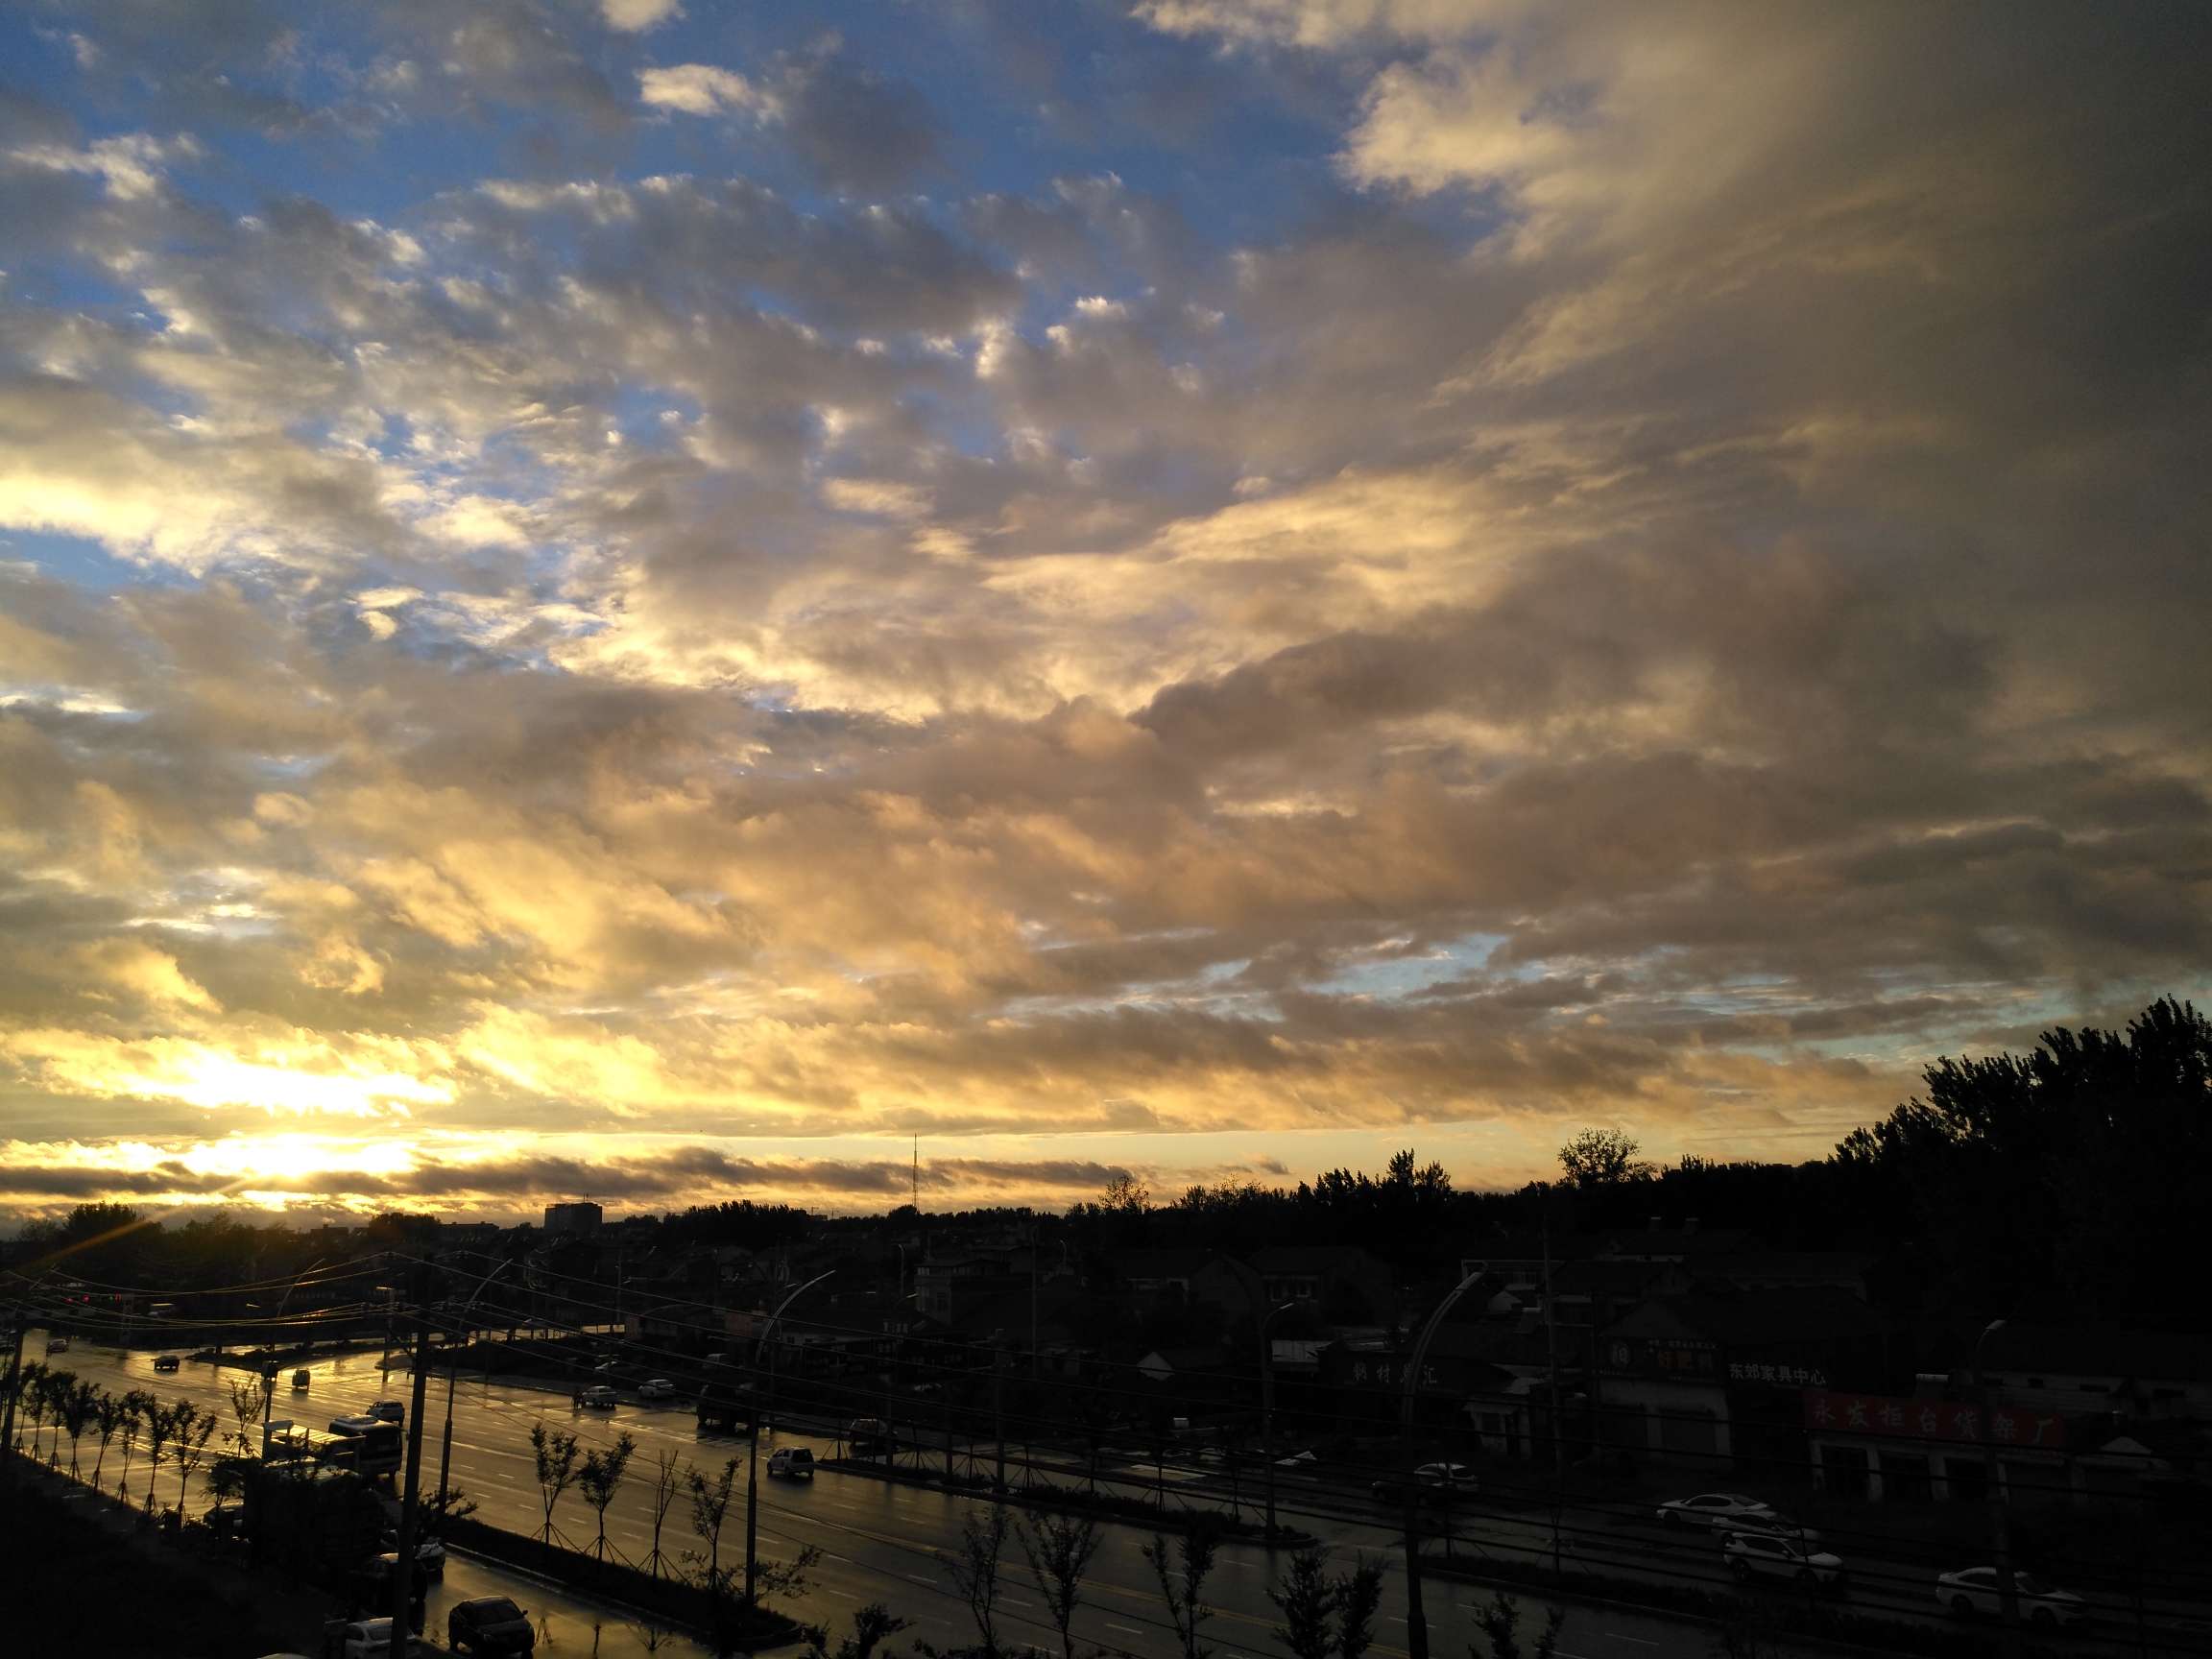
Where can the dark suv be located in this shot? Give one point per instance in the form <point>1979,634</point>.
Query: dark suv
<point>488,1625</point>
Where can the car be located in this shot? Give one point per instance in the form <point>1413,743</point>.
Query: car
<point>1710,1509</point>
<point>657,1389</point>
<point>1438,1480</point>
<point>1750,1555</point>
<point>791,1463</point>
<point>301,1378</point>
<point>488,1625</point>
<point>429,1553</point>
<point>389,1411</point>
<point>1976,1590</point>
<point>373,1581</point>
<point>56,1344</point>
<point>598,1398</point>
<point>370,1638</point>
<point>166,1363</point>
<point>359,1424</point>
<point>227,1520</point>
<point>1772,1524</point>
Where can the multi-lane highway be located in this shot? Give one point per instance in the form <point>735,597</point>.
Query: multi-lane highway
<point>879,1540</point>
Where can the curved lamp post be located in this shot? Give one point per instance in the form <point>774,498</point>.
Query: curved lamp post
<point>1416,1621</point>
<point>1268,1406</point>
<point>753,1446</point>
<point>453,1372</point>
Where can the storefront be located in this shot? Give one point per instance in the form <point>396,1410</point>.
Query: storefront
<point>1883,1447</point>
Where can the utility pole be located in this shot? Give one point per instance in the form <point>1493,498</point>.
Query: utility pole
<point>1558,1423</point>
<point>2000,1511</point>
<point>1267,1409</point>
<point>411,1490</point>
<point>998,1414</point>
<point>1417,1622</point>
<point>753,1446</point>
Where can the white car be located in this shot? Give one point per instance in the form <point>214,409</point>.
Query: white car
<point>366,1638</point>
<point>792,1464</point>
<point>1436,1478</point>
<point>1772,1524</point>
<point>598,1398</point>
<point>1976,1590</point>
<point>1710,1509</point>
<point>1750,1555</point>
<point>656,1388</point>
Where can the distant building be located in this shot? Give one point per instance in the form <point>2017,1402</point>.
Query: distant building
<point>577,1220</point>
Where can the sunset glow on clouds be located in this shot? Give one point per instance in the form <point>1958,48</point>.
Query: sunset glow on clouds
<point>657,600</point>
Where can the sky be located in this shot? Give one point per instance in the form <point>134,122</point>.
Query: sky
<point>654,599</point>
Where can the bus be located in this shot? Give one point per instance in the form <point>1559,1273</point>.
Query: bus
<point>344,1445</point>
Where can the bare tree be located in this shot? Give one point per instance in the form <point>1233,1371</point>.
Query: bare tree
<point>974,1569</point>
<point>31,1401</point>
<point>1308,1602</point>
<point>602,1478</point>
<point>249,1402</point>
<point>162,1423</point>
<point>710,1510</point>
<point>1500,1622</point>
<point>77,1408</point>
<point>553,1451</point>
<point>872,1625</point>
<point>667,1482</point>
<point>1058,1549</point>
<point>194,1429</point>
<point>1358,1595</point>
<point>107,1418</point>
<point>1182,1572</point>
<point>138,1407</point>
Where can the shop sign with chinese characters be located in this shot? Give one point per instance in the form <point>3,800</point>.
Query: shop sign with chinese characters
<point>1932,1420</point>
<point>1781,1375</point>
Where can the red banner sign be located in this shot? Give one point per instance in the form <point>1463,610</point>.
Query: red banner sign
<point>1877,1414</point>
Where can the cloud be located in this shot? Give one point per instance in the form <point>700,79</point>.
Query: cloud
<point>703,89</point>
<point>634,16</point>
<point>1529,566</point>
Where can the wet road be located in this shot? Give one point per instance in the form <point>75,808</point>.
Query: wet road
<point>878,1539</point>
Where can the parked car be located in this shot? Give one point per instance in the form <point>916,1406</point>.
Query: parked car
<point>372,1582</point>
<point>488,1625</point>
<point>366,1638</point>
<point>1976,1590</point>
<point>657,1389</point>
<point>791,1463</point>
<point>1750,1555</point>
<point>166,1363</point>
<point>1430,1479</point>
<point>598,1398</point>
<point>227,1520</point>
<point>371,1639</point>
<point>1772,1524</point>
<point>1710,1509</point>
<point>389,1411</point>
<point>56,1344</point>
<point>430,1552</point>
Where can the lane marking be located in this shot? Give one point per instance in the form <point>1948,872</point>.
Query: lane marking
<point>1640,1641</point>
<point>1126,1629</point>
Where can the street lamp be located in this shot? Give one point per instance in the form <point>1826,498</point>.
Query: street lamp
<point>1416,1621</point>
<point>753,1446</point>
<point>2000,1515</point>
<point>452,1372</point>
<point>1267,1406</point>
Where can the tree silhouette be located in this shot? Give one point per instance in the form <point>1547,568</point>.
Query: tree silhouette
<point>1058,1549</point>
<point>553,1453</point>
<point>601,1479</point>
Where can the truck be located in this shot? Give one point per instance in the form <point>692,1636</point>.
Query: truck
<point>725,1403</point>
